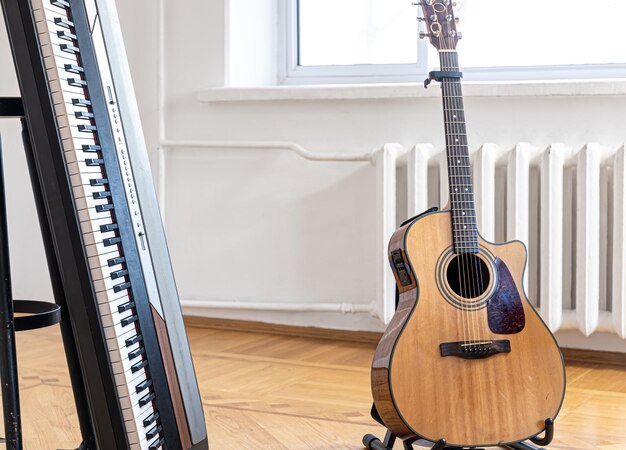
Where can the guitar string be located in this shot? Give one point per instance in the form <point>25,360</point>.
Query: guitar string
<point>475,261</point>
<point>455,173</point>
<point>455,170</point>
<point>452,176</point>
<point>466,235</point>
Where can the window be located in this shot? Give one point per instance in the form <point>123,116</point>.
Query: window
<point>376,40</point>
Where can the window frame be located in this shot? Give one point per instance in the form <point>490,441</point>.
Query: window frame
<point>290,73</point>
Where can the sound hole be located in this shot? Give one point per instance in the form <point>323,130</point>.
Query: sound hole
<point>468,275</point>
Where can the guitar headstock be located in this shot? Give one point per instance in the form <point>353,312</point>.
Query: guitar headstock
<point>441,23</point>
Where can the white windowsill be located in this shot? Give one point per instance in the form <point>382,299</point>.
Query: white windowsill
<point>413,90</point>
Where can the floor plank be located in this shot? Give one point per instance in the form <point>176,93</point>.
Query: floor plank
<point>287,393</point>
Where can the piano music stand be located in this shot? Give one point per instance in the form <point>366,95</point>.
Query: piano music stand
<point>38,314</point>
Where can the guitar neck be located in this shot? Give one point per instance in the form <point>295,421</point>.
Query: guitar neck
<point>465,232</point>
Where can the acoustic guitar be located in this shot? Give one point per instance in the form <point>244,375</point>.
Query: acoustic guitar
<point>466,357</point>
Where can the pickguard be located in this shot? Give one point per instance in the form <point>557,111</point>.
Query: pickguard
<point>505,311</point>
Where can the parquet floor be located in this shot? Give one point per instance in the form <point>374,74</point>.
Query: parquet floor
<point>263,391</point>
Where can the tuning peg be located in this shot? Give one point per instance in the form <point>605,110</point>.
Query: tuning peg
<point>420,19</point>
<point>423,34</point>
<point>459,35</point>
<point>457,20</point>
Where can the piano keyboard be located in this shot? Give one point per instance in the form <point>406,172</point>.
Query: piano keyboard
<point>148,359</point>
<point>89,182</point>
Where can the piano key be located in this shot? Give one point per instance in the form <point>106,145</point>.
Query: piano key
<point>66,35</point>
<point>125,306</point>
<point>132,340</point>
<point>153,432</point>
<point>81,102</point>
<point>77,82</point>
<point>150,419</point>
<point>83,115</point>
<point>94,161</point>
<point>101,194</point>
<point>108,227</point>
<point>89,214</point>
<point>129,320</point>
<point>62,22</point>
<point>97,237</point>
<point>139,365</point>
<point>99,182</point>
<point>136,353</point>
<point>148,398</point>
<point>121,287</point>
<point>156,445</point>
<point>115,261</point>
<point>73,68</point>
<point>103,208</point>
<point>143,386</point>
<point>60,3</point>
<point>69,48</point>
<point>80,167</point>
<point>87,128</point>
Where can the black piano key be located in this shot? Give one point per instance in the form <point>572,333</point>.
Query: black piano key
<point>111,241</point>
<point>60,3</point>
<point>94,161</point>
<point>135,353</point>
<point>90,147</point>
<point>133,340</point>
<point>150,419</point>
<point>118,274</point>
<point>87,128</point>
<point>85,115</point>
<point>115,261</point>
<point>76,82</point>
<point>153,432</point>
<point>128,320</point>
<point>140,387</point>
<point>99,181</point>
<point>126,306</point>
<point>143,401</point>
<point>73,68</point>
<point>66,35</point>
<point>101,194</point>
<point>81,102</point>
<point>62,22</point>
<point>69,48</point>
<point>108,227</point>
<point>121,287</point>
<point>138,366</point>
<point>104,208</point>
<point>157,444</point>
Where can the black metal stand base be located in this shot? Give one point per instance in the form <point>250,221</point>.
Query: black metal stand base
<point>371,442</point>
<point>38,314</point>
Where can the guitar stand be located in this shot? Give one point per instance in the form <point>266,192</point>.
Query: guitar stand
<point>36,314</point>
<point>371,442</point>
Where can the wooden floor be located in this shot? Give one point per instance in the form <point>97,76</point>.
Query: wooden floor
<point>271,392</point>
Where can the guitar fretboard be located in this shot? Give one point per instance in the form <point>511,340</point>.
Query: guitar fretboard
<point>465,233</point>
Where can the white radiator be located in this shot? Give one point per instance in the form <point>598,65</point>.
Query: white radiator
<point>567,205</point>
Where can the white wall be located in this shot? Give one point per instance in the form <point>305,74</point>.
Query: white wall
<point>249,226</point>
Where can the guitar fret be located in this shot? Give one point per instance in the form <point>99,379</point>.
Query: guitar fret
<point>465,232</point>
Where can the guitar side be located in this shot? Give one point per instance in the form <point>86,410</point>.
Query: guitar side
<point>419,393</point>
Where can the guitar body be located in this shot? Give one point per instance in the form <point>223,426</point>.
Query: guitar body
<point>503,373</point>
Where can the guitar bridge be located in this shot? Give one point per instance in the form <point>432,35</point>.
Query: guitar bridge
<point>475,350</point>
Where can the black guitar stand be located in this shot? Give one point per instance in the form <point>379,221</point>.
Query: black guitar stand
<point>36,314</point>
<point>371,442</point>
